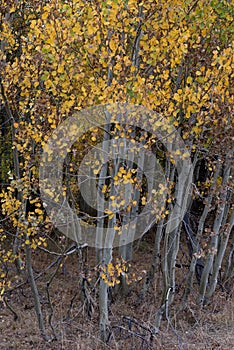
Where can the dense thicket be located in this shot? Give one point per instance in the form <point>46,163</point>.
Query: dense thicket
<point>175,60</point>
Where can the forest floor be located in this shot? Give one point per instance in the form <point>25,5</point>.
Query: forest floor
<point>131,318</point>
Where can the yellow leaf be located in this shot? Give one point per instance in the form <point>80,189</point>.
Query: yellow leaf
<point>109,213</point>
<point>113,45</point>
<point>91,29</point>
<point>44,15</point>
<point>33,245</point>
<point>189,80</point>
<point>104,188</point>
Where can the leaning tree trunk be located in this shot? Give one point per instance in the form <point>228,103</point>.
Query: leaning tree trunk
<point>196,244</point>
<point>172,238</point>
<point>229,267</point>
<point>217,247</point>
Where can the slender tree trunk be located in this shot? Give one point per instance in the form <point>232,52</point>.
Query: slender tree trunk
<point>229,266</point>
<point>172,239</point>
<point>224,239</point>
<point>156,255</point>
<point>196,248</point>
<point>35,292</point>
<point>209,266</point>
<point>104,237</point>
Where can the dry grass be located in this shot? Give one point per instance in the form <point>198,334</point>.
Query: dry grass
<point>210,328</point>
